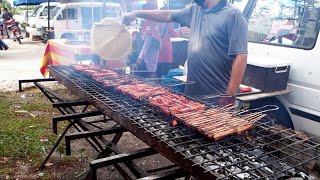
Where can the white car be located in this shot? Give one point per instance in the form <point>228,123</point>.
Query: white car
<point>75,20</point>
<point>23,17</point>
<point>38,17</point>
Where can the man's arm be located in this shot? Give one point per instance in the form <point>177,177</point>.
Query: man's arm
<point>237,72</point>
<point>153,15</point>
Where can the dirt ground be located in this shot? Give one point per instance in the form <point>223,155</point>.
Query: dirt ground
<point>22,61</point>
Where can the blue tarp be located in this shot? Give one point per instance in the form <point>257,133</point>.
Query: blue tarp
<point>29,2</point>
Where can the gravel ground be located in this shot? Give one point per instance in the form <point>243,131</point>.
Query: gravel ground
<point>20,61</point>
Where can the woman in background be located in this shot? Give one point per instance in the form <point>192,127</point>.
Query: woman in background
<point>165,55</point>
<point>148,57</point>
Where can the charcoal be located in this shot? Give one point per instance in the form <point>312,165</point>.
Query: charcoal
<point>198,159</point>
<point>210,157</point>
<point>243,176</point>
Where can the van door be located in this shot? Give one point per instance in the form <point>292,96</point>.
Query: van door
<point>67,20</point>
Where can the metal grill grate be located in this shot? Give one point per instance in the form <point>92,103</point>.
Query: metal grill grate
<point>264,152</point>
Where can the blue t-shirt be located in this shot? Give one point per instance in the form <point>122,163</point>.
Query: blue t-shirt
<point>217,35</point>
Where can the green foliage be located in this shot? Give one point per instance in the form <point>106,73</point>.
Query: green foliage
<point>6,4</point>
<point>19,9</point>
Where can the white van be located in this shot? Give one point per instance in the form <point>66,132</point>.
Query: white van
<point>38,17</point>
<point>72,20</point>
<point>288,31</point>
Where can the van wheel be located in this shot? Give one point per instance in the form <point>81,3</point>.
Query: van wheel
<point>68,36</point>
<point>281,116</point>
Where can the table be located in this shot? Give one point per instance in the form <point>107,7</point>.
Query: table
<point>62,51</point>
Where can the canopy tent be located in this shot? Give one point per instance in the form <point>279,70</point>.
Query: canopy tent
<point>29,2</point>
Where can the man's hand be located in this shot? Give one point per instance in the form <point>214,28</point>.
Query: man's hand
<point>226,100</point>
<point>128,18</point>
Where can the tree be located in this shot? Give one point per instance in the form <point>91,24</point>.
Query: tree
<point>6,4</point>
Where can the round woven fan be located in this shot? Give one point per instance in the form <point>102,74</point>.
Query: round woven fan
<point>111,40</point>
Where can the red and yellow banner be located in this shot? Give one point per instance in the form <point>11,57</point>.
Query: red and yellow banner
<point>58,51</point>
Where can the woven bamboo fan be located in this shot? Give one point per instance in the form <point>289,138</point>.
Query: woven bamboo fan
<point>111,40</point>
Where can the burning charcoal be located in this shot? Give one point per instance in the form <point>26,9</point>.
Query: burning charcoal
<point>234,169</point>
<point>221,163</point>
<point>160,133</point>
<point>256,164</point>
<point>268,169</point>
<point>289,168</point>
<point>213,167</point>
<point>225,154</point>
<point>163,126</point>
<point>188,154</point>
<point>256,152</point>
<point>243,176</point>
<point>170,142</point>
<point>179,148</point>
<point>165,137</point>
<point>210,157</point>
<point>198,159</point>
<point>231,158</point>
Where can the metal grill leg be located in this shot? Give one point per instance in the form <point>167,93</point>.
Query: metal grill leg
<point>55,145</point>
<point>53,98</point>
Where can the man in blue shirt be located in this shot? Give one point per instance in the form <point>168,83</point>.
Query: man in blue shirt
<point>217,51</point>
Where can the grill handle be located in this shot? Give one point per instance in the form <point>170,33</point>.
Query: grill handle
<point>182,83</point>
<point>213,96</point>
<point>263,109</point>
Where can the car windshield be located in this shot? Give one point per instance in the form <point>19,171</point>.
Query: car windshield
<point>36,11</point>
<point>291,23</point>
<point>54,12</point>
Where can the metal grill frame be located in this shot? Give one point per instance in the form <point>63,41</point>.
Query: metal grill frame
<point>129,114</point>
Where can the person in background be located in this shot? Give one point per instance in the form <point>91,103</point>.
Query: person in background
<point>217,52</point>
<point>165,55</point>
<point>148,57</point>
<point>5,17</point>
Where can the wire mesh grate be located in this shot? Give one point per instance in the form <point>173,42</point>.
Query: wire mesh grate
<point>265,152</point>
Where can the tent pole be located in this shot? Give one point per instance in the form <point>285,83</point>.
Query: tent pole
<point>49,33</point>
<point>27,11</point>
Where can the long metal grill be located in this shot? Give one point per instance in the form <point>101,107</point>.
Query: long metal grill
<point>264,152</point>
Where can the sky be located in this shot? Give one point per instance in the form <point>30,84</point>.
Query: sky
<point>11,2</point>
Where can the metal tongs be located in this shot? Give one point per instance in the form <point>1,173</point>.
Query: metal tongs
<point>180,83</point>
<point>263,109</point>
<point>213,96</point>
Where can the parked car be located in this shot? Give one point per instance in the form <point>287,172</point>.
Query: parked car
<point>73,20</point>
<point>23,17</point>
<point>38,17</point>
